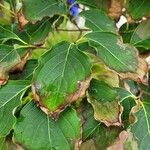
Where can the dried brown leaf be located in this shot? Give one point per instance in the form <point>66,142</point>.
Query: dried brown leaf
<point>21,20</point>
<point>115,10</point>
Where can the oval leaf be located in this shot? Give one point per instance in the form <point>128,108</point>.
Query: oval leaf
<point>61,77</point>
<point>98,21</point>
<point>36,130</point>
<point>116,55</point>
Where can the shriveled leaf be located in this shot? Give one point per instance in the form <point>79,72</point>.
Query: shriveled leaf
<point>141,36</point>
<point>10,98</point>
<point>116,55</point>
<point>62,77</point>
<point>115,10</point>
<point>21,20</point>
<point>105,103</point>
<point>98,20</point>
<point>36,130</point>
<point>141,128</point>
<point>36,10</point>
<point>38,31</point>
<point>137,9</point>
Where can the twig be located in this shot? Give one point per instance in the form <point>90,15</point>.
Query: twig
<point>73,30</point>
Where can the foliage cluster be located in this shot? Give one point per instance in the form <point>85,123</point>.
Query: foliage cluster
<point>65,85</point>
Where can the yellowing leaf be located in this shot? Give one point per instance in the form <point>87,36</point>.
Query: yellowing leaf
<point>106,107</point>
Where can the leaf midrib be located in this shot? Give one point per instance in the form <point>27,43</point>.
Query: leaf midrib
<point>62,75</point>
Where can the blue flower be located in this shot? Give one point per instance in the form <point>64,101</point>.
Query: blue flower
<point>71,1</point>
<point>74,8</point>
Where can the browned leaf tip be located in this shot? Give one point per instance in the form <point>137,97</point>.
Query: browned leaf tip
<point>135,109</point>
<point>141,73</point>
<point>19,67</point>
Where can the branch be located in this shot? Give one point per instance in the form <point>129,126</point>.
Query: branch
<point>73,30</point>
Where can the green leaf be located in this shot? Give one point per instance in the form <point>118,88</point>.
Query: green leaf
<point>141,128</point>
<point>101,4</point>
<point>36,10</point>
<point>10,96</point>
<point>127,30</point>
<point>141,36</point>
<point>38,31</point>
<point>116,55</point>
<point>27,72</point>
<point>6,34</point>
<point>98,20</point>
<point>90,125</point>
<point>94,131</point>
<point>103,99</point>
<point>137,9</point>
<point>62,76</point>
<point>36,130</point>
